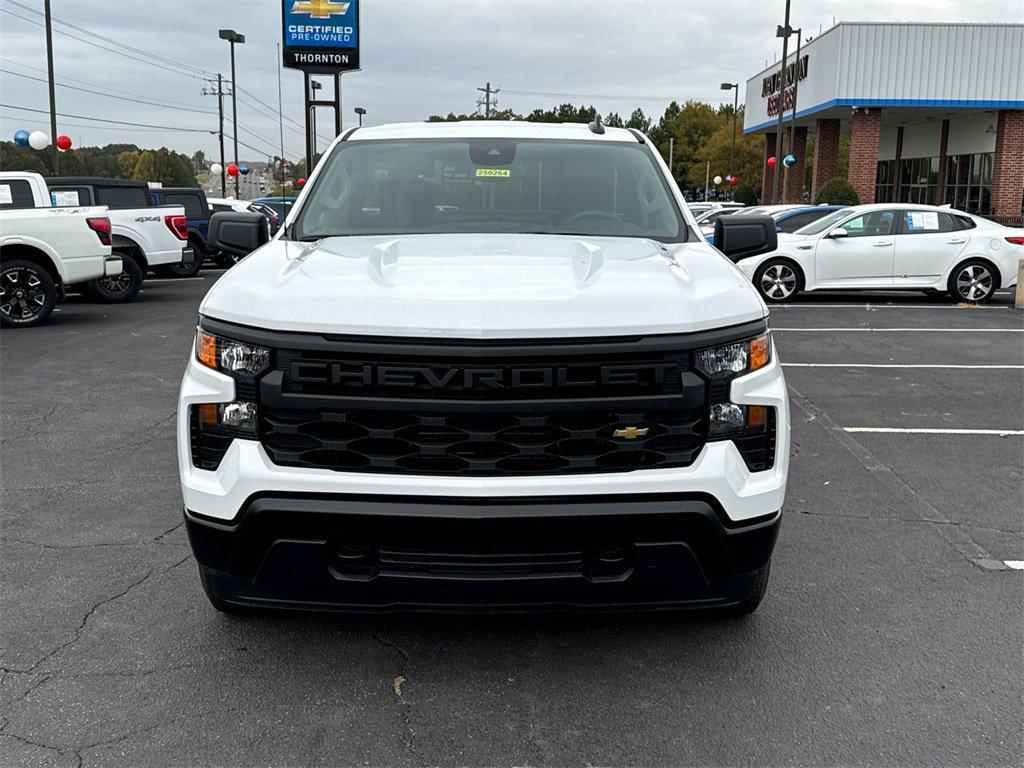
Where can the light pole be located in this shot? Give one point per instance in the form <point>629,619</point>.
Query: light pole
<point>314,87</point>
<point>233,37</point>
<point>53,104</point>
<point>735,114</point>
<point>792,123</point>
<point>784,32</point>
<point>360,111</point>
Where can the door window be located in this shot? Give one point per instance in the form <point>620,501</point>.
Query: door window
<point>873,224</point>
<point>927,223</point>
<point>192,203</point>
<point>798,220</point>
<point>16,193</point>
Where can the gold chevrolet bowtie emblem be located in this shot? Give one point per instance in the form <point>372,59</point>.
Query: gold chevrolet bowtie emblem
<point>631,433</point>
<point>320,9</point>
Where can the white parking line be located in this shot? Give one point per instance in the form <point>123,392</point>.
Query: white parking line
<point>1017,565</point>
<point>928,431</point>
<point>903,330</point>
<point>901,365</point>
<point>884,306</point>
<point>172,279</point>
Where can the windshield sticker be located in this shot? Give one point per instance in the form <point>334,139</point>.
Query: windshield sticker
<point>493,173</point>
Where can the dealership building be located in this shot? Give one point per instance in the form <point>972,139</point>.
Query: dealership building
<point>935,114</point>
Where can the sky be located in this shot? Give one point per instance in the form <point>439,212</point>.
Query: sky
<point>419,57</point>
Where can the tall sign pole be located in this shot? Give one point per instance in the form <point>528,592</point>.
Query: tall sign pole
<point>782,32</point>
<point>320,37</point>
<point>53,97</point>
<point>220,130</point>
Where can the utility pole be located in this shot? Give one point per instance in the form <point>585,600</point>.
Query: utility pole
<point>219,93</point>
<point>53,97</point>
<point>735,115</point>
<point>486,100</point>
<point>280,121</point>
<point>783,32</point>
<point>792,123</point>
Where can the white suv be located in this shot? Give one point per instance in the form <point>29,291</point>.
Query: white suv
<point>891,246</point>
<point>485,365</point>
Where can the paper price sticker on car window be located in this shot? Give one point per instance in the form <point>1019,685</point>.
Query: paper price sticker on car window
<point>923,221</point>
<point>493,173</point>
<point>65,199</point>
<point>6,198</point>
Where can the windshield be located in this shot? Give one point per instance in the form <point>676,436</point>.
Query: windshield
<point>751,211</point>
<point>824,223</point>
<point>451,186</point>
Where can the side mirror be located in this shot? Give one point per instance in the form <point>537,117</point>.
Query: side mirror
<point>838,232</point>
<point>741,236</point>
<point>238,233</point>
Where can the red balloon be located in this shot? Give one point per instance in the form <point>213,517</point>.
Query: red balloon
<point>232,170</point>
<point>63,143</point>
<point>771,161</point>
<point>300,182</point>
<point>733,181</point>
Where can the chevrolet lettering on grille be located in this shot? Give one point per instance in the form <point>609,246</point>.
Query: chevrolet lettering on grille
<point>357,376</point>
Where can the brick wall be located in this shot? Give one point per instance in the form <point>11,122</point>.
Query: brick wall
<point>794,177</point>
<point>864,152</point>
<point>768,178</point>
<point>826,155</point>
<point>1008,164</point>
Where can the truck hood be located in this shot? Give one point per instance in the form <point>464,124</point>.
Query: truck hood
<point>484,286</point>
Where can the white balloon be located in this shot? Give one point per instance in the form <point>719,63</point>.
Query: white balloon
<point>717,179</point>
<point>38,140</point>
<point>216,168</point>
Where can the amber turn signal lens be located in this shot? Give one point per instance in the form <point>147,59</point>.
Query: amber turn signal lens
<point>208,416</point>
<point>760,352</point>
<point>206,349</point>
<point>757,416</point>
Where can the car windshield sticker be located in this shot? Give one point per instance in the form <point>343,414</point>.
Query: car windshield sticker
<point>493,173</point>
<point>64,199</point>
<point>922,221</point>
<point>5,194</point>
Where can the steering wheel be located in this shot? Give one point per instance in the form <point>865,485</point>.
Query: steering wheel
<point>590,215</point>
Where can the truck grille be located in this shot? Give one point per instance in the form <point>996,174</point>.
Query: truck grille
<point>511,408</point>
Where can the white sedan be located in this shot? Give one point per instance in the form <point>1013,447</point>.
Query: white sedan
<point>891,246</point>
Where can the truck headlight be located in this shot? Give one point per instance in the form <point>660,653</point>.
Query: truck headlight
<point>230,356</point>
<point>735,359</point>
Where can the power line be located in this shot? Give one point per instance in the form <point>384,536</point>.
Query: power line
<point>110,95</point>
<point>273,114</point>
<point>120,44</point>
<point>598,96</point>
<point>114,122</point>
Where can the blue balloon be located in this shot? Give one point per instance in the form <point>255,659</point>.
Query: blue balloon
<point>21,138</point>
<point>243,169</point>
<point>789,161</point>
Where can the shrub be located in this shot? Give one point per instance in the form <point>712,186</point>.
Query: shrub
<point>837,191</point>
<point>745,194</point>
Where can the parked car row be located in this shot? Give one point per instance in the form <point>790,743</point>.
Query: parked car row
<point>885,246</point>
<point>100,237</point>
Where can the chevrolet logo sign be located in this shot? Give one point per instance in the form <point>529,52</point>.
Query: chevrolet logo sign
<point>631,433</point>
<point>320,9</point>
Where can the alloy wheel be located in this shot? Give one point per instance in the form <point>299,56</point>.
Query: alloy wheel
<point>778,282</point>
<point>22,294</point>
<point>116,284</point>
<point>974,282</point>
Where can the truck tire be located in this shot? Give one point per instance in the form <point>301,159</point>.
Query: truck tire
<point>214,598</point>
<point>27,294</point>
<point>185,270</point>
<point>749,605</point>
<point>117,289</point>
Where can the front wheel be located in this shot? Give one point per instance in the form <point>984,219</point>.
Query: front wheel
<point>972,281</point>
<point>27,294</point>
<point>778,281</point>
<point>749,605</point>
<point>119,288</point>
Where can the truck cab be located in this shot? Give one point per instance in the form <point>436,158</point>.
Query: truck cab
<point>197,216</point>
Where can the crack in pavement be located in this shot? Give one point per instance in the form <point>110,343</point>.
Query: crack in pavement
<point>886,518</point>
<point>396,684</point>
<point>96,606</point>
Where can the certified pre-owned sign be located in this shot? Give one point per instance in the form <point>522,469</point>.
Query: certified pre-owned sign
<point>321,35</point>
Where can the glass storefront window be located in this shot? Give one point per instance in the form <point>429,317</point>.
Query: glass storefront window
<point>969,182</point>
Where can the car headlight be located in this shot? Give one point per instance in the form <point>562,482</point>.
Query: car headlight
<point>228,356</point>
<point>735,359</point>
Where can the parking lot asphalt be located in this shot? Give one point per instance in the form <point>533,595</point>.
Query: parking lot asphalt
<point>891,632</point>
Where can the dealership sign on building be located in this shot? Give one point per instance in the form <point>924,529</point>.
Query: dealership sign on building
<point>321,36</point>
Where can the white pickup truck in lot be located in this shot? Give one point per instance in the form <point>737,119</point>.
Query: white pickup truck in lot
<point>485,365</point>
<point>45,249</point>
<point>144,235</point>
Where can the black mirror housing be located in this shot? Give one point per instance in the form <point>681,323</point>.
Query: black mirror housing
<point>238,233</point>
<point>741,236</point>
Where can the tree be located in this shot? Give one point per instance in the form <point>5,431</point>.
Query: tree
<point>145,167</point>
<point>745,194</point>
<point>837,191</point>
<point>639,121</point>
<point>718,149</point>
<point>126,161</point>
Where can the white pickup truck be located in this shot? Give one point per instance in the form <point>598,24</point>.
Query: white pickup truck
<point>43,249</point>
<point>143,234</point>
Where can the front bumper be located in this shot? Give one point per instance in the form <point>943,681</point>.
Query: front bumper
<point>360,553</point>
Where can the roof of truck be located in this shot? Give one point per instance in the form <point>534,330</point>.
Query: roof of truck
<point>506,129</point>
<point>95,181</point>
